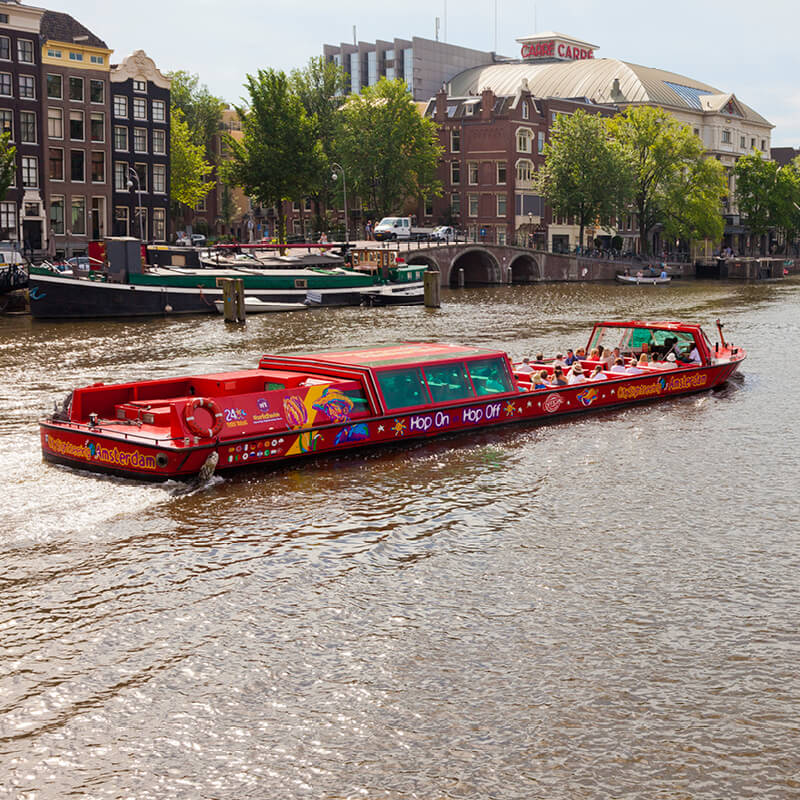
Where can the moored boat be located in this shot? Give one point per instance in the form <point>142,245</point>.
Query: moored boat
<point>252,305</point>
<point>302,405</point>
<point>641,279</point>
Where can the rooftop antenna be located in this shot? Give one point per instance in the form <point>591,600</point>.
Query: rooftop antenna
<point>495,26</point>
<point>355,43</point>
<point>445,20</point>
<point>437,29</point>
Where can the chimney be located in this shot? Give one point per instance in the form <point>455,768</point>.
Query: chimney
<point>487,103</point>
<point>441,105</point>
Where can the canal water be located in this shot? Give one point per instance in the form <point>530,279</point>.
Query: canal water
<point>602,607</point>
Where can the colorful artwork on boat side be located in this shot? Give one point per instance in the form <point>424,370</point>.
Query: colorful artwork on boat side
<point>109,456</point>
<point>303,412</point>
<point>673,383</point>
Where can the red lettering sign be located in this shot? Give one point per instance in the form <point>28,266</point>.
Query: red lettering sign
<point>549,49</point>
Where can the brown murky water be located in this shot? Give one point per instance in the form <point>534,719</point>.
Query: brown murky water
<point>604,607</point>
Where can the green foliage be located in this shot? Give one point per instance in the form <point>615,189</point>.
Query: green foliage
<point>189,170</point>
<point>201,109</point>
<point>585,175</point>
<point>8,163</point>
<point>389,151</point>
<point>279,155</point>
<point>672,180</point>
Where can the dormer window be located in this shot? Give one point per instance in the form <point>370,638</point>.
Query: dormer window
<point>139,86</point>
<point>525,113</point>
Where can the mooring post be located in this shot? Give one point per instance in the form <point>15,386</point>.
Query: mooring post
<point>432,284</point>
<point>461,277</point>
<point>233,299</point>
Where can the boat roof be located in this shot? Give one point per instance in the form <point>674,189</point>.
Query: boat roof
<point>664,325</point>
<point>399,353</point>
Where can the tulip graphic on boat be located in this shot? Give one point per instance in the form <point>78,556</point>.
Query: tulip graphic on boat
<point>297,417</point>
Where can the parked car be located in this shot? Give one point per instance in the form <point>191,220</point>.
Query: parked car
<point>195,240</point>
<point>444,233</point>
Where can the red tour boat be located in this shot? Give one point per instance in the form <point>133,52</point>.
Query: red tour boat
<point>294,406</point>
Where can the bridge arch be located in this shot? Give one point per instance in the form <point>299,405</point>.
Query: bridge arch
<point>524,268</point>
<point>422,259</point>
<point>480,268</point>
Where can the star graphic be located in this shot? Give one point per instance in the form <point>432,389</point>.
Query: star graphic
<point>380,428</point>
<point>529,404</point>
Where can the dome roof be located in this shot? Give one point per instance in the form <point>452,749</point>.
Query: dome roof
<point>601,80</point>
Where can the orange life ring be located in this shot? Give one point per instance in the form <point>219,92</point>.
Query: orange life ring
<point>212,408</point>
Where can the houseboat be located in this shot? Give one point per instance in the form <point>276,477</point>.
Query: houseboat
<point>295,406</point>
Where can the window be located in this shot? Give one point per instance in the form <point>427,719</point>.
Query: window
<point>55,123</point>
<point>429,206</point>
<point>121,221</point>
<point>97,91</point>
<point>763,145</point>
<point>524,170</point>
<point>55,87</point>
<point>5,48</point>
<point>402,388</point>
<point>77,166</point>
<point>455,140</point>
<point>79,216</point>
<point>501,172</point>
<point>159,111</point>
<point>160,178</point>
<point>5,84</point>
<point>76,89</point>
<point>51,53</point>
<point>472,171</point>
<point>139,108</point>
<point>4,19</point>
<point>140,86</point>
<point>455,204</point>
<point>141,171</point>
<point>27,87</point>
<point>98,167</point>
<point>455,172</point>
<point>98,59</point>
<point>120,106</point>
<point>490,376</point>
<point>159,224</point>
<point>473,205</point>
<point>697,131</point>
<point>540,144</point>
<point>30,171</point>
<point>120,176</point>
<point>8,218</point>
<point>120,137</point>
<point>75,56</point>
<point>7,121</point>
<point>25,51</point>
<point>524,140</point>
<point>448,382</point>
<point>501,205</point>
<point>56,164</point>
<point>201,204</point>
<point>76,131</point>
<point>98,127</point>
<point>524,109</point>
<point>160,142</point>
<point>57,214</point>
<point>742,142</point>
<point>27,127</point>
<point>140,140</point>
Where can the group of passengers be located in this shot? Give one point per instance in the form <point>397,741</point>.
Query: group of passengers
<point>568,369</point>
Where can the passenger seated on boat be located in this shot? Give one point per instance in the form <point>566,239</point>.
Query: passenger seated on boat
<point>594,354</point>
<point>558,361</point>
<point>598,374</point>
<point>539,380</point>
<point>539,358</point>
<point>581,353</point>
<point>525,368</point>
<point>576,374</point>
<point>694,355</point>
<point>632,369</point>
<point>619,366</point>
<point>643,359</point>
<point>570,358</point>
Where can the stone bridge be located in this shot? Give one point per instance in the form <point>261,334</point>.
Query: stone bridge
<point>476,264</point>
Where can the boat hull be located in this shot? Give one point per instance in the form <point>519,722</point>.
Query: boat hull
<point>644,280</point>
<point>82,446</point>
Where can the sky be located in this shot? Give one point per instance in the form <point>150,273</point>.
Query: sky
<point>748,48</point>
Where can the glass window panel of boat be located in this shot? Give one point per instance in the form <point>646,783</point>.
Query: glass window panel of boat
<point>402,388</point>
<point>490,376</point>
<point>448,382</point>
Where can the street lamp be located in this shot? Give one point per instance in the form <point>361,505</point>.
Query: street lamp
<point>335,177</point>
<point>133,175</point>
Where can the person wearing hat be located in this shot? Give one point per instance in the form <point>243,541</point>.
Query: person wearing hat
<point>576,374</point>
<point>571,357</point>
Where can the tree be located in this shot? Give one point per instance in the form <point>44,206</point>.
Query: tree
<point>278,157</point>
<point>665,158</point>
<point>320,88</point>
<point>8,163</point>
<point>201,109</point>
<point>387,148</point>
<point>189,170</point>
<point>585,175</point>
<point>768,195</point>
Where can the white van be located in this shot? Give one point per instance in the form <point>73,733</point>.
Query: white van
<point>393,228</point>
